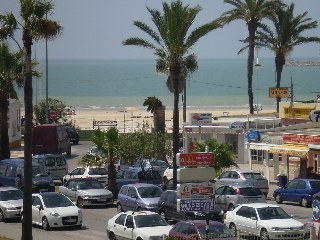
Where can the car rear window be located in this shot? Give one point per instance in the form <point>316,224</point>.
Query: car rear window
<point>255,176</point>
<point>250,191</point>
<point>315,184</point>
<point>145,175</point>
<point>98,171</point>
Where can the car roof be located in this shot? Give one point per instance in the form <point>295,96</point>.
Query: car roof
<point>47,194</point>
<point>259,205</point>
<point>3,189</point>
<point>137,213</point>
<point>83,180</point>
<point>240,185</point>
<point>244,171</point>
<point>16,161</point>
<point>137,185</point>
<point>48,154</point>
<point>202,223</point>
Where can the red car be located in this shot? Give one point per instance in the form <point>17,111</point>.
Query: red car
<point>196,229</point>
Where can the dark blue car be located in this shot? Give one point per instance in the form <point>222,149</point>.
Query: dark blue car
<point>298,190</point>
<point>12,175</point>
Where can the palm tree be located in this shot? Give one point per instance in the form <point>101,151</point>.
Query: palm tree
<point>155,106</point>
<point>171,41</point>
<point>10,68</point>
<point>35,26</point>
<point>252,12</point>
<point>285,36</point>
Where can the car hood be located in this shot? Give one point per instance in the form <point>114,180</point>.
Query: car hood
<point>12,203</point>
<point>65,211</point>
<point>95,192</point>
<point>281,223</point>
<point>155,231</point>
<point>154,200</point>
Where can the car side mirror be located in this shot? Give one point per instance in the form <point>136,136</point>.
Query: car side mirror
<point>134,196</point>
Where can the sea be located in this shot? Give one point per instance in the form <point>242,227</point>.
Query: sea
<point>217,84</point>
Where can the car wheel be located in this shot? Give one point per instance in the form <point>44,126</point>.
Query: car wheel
<point>278,198</point>
<point>304,202</point>
<point>2,218</point>
<point>45,224</point>
<point>112,236</point>
<point>233,229</point>
<point>230,207</point>
<point>119,208</point>
<point>264,234</point>
<point>80,202</point>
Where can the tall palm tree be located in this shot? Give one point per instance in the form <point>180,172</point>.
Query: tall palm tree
<point>172,40</point>
<point>10,68</point>
<point>35,26</point>
<point>287,34</point>
<point>252,12</point>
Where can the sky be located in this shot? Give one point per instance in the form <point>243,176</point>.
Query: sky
<point>95,29</point>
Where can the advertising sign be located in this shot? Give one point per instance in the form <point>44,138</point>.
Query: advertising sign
<point>201,119</point>
<point>300,138</point>
<point>195,205</point>
<point>252,135</point>
<point>195,190</point>
<point>238,125</point>
<point>53,115</point>
<point>279,92</point>
<point>297,112</point>
<point>199,174</point>
<point>195,159</point>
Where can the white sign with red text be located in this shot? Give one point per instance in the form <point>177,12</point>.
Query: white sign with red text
<point>195,190</point>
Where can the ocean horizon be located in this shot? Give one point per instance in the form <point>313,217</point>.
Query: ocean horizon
<point>218,83</point>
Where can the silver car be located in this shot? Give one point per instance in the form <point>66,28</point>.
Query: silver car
<point>86,191</point>
<point>243,177</point>
<point>228,197</point>
<point>11,200</point>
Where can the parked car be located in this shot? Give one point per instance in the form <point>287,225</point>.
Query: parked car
<point>154,164</point>
<point>11,200</point>
<point>138,175</point>
<point>228,197</point>
<point>99,173</point>
<point>73,134</point>
<point>54,165</point>
<point>86,192</point>
<point>12,175</point>
<point>196,229</point>
<point>167,208</point>
<point>247,177</point>
<point>298,190</point>
<point>144,225</point>
<point>137,197</point>
<point>53,209</point>
<point>267,221</point>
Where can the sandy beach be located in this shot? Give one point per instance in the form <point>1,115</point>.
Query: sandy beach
<point>132,118</point>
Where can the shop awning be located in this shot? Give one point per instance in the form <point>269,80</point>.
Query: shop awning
<point>290,149</point>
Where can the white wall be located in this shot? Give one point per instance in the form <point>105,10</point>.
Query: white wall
<point>14,122</point>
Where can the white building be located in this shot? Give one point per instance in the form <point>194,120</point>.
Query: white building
<point>14,123</point>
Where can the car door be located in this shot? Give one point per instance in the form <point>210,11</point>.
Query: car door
<point>70,190</point>
<point>36,210</point>
<point>61,166</point>
<point>301,191</point>
<point>251,221</point>
<point>220,198</point>
<point>131,199</point>
<point>170,206</point>
<point>289,191</point>
<point>118,226</point>
<point>128,228</point>
<point>50,166</point>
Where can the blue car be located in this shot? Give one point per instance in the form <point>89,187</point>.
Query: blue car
<point>138,197</point>
<point>12,175</point>
<point>298,190</point>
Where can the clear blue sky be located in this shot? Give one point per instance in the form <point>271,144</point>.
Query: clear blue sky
<point>94,29</point>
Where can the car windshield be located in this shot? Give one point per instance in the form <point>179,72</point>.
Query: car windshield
<point>250,191</point>
<point>89,185</point>
<point>10,195</point>
<point>255,176</point>
<point>36,172</point>
<point>152,220</point>
<point>56,200</point>
<point>218,231</point>
<point>268,213</point>
<point>149,192</point>
<point>98,171</point>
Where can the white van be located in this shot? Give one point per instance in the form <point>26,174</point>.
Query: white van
<point>54,165</point>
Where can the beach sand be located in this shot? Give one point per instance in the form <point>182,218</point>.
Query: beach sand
<point>133,118</point>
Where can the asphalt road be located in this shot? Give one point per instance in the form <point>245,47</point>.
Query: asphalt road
<point>95,218</point>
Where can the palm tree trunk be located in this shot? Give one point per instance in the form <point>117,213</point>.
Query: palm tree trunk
<point>28,95</point>
<point>250,67</point>
<point>159,116</point>
<point>4,137</point>
<point>279,61</point>
<point>175,135</point>
<point>112,176</point>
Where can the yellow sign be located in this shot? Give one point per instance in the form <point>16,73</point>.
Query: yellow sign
<point>297,112</point>
<point>278,92</point>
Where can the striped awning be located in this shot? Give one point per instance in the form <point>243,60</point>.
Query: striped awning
<point>290,149</point>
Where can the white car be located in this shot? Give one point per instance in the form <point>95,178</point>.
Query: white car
<point>267,221</point>
<point>11,200</point>
<point>100,173</point>
<point>53,209</point>
<point>144,225</point>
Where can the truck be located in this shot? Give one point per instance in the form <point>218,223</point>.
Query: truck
<point>50,139</point>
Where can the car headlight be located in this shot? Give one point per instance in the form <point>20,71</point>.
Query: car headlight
<point>87,196</point>
<point>11,209</point>
<point>55,214</point>
<point>200,214</point>
<point>275,228</point>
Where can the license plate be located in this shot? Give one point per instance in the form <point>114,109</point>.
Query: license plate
<point>70,220</point>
